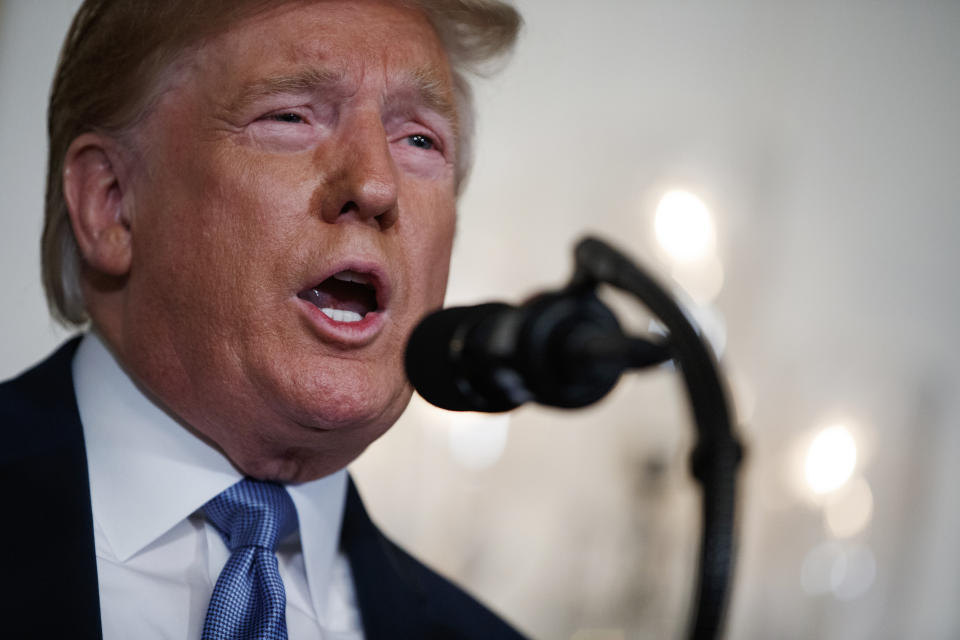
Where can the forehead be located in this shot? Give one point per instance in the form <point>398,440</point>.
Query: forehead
<point>349,38</point>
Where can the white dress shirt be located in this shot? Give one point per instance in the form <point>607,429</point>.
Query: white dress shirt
<point>158,558</point>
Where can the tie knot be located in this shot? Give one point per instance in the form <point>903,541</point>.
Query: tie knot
<point>252,514</point>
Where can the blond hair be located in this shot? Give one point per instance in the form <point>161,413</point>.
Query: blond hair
<point>111,70</point>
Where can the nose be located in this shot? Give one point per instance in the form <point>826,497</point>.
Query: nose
<point>363,182</point>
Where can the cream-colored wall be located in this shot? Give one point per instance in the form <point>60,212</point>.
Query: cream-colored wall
<point>30,37</point>
<point>824,139</point>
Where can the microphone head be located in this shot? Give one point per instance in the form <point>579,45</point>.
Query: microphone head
<point>553,356</point>
<point>442,365</point>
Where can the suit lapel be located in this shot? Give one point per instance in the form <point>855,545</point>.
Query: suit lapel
<point>393,604</point>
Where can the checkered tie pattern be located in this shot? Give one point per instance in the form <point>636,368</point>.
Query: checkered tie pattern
<point>248,601</point>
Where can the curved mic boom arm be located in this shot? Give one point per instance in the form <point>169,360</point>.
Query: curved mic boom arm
<point>717,453</point>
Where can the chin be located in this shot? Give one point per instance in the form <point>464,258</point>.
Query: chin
<point>351,410</point>
<point>316,415</point>
<point>365,414</point>
<point>346,395</point>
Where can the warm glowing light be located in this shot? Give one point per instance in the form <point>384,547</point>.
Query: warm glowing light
<point>684,226</point>
<point>848,511</point>
<point>702,279</point>
<point>477,441</point>
<point>831,459</point>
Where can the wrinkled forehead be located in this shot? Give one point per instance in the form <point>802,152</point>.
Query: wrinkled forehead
<point>339,41</point>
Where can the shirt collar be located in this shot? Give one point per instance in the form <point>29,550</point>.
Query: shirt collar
<point>148,472</point>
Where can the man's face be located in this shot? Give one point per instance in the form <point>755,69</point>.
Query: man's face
<point>301,167</point>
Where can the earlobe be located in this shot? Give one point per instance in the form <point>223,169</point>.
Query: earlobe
<point>93,189</point>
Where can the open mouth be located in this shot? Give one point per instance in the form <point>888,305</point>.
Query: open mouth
<point>346,296</point>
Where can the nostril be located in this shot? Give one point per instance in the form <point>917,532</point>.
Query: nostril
<point>384,220</point>
<point>388,218</point>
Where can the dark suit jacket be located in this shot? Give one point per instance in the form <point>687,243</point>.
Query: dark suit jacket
<point>48,571</point>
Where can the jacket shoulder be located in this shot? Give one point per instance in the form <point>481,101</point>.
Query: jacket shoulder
<point>453,612</point>
<point>43,457</point>
<point>38,408</point>
<point>402,598</point>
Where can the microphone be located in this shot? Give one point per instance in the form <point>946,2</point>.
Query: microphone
<point>562,349</point>
<point>566,349</point>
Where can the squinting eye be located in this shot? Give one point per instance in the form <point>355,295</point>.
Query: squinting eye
<point>421,141</point>
<point>292,118</point>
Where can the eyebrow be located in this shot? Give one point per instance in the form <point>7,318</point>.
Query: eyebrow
<point>426,84</point>
<point>306,81</point>
<point>430,87</point>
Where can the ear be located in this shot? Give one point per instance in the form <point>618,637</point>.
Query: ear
<point>93,190</point>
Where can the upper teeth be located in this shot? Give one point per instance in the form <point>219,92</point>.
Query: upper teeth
<point>352,276</point>
<point>342,315</point>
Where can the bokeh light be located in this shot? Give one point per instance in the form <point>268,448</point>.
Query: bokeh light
<point>702,279</point>
<point>848,511</point>
<point>684,226</point>
<point>822,569</point>
<point>846,571</point>
<point>477,441</point>
<point>831,459</point>
<point>859,570</point>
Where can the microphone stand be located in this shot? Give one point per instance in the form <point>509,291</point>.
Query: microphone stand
<point>717,453</point>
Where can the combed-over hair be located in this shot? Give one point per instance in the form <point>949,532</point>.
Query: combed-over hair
<point>111,71</point>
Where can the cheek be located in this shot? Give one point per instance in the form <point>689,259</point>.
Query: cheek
<point>214,237</point>
<point>434,242</point>
<point>245,207</point>
<point>439,263</point>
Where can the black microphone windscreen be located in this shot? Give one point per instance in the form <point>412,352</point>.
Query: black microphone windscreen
<point>433,358</point>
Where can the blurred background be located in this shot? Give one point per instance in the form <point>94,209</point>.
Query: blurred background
<point>792,169</point>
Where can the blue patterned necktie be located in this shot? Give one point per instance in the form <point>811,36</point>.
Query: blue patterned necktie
<point>248,601</point>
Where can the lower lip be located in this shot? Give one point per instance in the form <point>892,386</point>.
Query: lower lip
<point>351,334</point>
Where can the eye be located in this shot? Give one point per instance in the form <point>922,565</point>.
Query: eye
<point>420,141</point>
<point>288,117</point>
